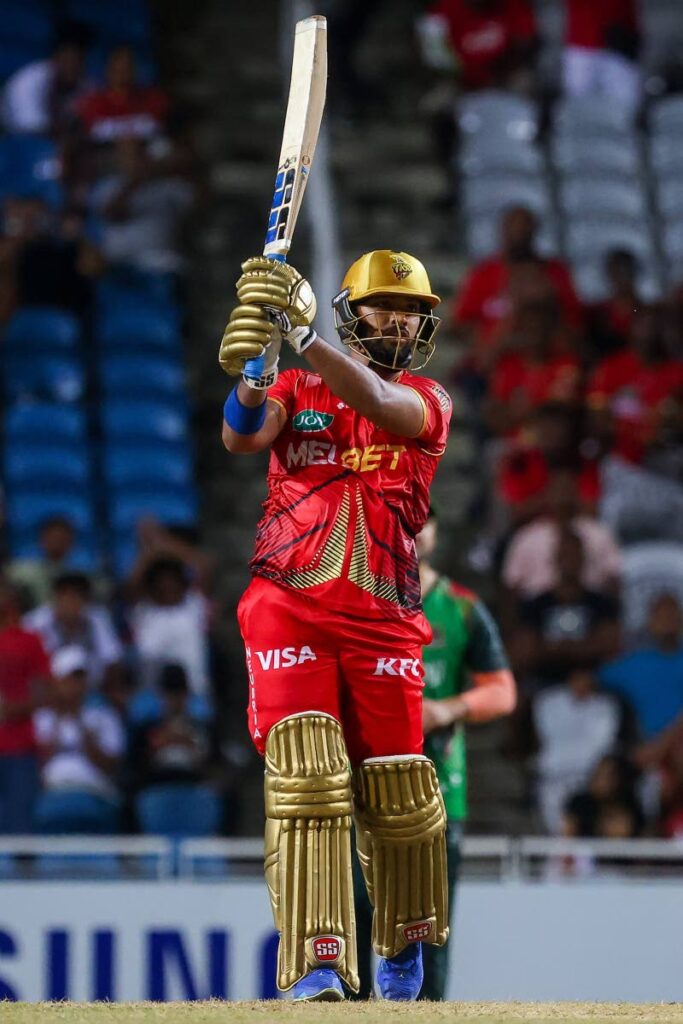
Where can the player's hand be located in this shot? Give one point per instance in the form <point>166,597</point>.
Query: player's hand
<point>441,714</point>
<point>249,332</point>
<point>278,287</point>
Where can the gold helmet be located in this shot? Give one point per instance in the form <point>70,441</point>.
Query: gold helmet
<point>386,272</point>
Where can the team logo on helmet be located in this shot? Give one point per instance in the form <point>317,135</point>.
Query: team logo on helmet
<point>400,268</point>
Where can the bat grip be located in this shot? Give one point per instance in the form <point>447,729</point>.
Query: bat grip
<point>254,367</point>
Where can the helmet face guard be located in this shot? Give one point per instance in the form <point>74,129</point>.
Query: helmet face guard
<point>390,351</point>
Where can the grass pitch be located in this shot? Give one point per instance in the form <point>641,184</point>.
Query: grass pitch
<point>335,1013</point>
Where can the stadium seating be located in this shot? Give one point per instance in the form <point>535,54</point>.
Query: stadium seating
<point>179,811</point>
<point>168,505</point>
<point>30,165</point>
<point>143,376</point>
<point>46,463</point>
<point>28,508</point>
<point>38,420</point>
<point>147,465</point>
<point>41,328</point>
<point>143,419</point>
<point>55,378</point>
<point>139,329</point>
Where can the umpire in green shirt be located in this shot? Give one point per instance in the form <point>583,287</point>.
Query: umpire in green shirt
<point>467,679</point>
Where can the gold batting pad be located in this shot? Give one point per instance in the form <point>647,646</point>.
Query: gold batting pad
<point>308,847</point>
<point>401,841</point>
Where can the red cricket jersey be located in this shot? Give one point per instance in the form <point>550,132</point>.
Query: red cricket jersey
<point>481,37</point>
<point>346,498</point>
<point>483,299</point>
<point>22,660</point>
<point>637,395</point>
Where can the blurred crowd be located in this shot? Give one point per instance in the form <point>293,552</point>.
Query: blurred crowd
<point>107,713</point>
<point>577,407</point>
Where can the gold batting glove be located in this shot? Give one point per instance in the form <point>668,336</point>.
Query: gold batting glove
<point>278,287</point>
<point>249,331</point>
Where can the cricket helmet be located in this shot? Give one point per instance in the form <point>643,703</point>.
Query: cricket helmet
<point>386,272</point>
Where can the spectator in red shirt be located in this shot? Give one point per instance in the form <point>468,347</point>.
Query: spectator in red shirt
<point>23,666</point>
<point>610,321</point>
<point>532,372</point>
<point>551,440</point>
<point>123,107</point>
<point>494,289</point>
<point>636,395</point>
<point>601,51</point>
<point>494,41</point>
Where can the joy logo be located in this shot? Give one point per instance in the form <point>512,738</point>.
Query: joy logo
<point>326,948</point>
<point>285,657</point>
<point>397,667</point>
<point>310,420</point>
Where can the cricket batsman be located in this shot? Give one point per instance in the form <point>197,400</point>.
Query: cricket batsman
<point>467,679</point>
<point>332,620</point>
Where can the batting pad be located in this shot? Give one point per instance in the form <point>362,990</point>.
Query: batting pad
<point>308,847</point>
<point>401,841</point>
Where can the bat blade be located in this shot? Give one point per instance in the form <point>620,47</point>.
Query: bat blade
<point>302,125</point>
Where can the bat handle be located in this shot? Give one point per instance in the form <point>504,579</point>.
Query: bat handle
<point>254,367</point>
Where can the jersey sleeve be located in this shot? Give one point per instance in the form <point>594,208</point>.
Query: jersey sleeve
<point>284,390</point>
<point>436,409</point>
<point>484,651</point>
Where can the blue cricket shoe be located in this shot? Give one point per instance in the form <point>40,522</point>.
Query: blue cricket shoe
<point>320,986</point>
<point>400,977</point>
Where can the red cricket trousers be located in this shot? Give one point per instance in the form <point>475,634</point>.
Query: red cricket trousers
<point>366,673</point>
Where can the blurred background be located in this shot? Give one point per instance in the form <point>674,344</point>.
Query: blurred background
<point>530,153</point>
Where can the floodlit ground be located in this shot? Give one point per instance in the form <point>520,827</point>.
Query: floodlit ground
<point>363,1013</point>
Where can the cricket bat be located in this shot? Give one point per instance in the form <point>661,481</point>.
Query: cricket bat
<point>300,135</point>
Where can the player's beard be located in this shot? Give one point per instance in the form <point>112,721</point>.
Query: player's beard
<point>389,353</point>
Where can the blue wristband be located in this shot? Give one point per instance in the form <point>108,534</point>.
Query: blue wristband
<point>242,418</point>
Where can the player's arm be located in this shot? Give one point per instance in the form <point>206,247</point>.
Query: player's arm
<point>280,289</point>
<point>256,403</point>
<point>251,347</point>
<point>390,406</point>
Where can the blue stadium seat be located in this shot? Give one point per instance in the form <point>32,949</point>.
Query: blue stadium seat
<point>59,378</point>
<point>490,155</point>
<point>499,113</point>
<point>168,505</point>
<point>72,812</point>
<point>139,329</point>
<point>39,420</point>
<point>113,21</point>
<point>30,164</point>
<point>493,194</point>
<point>33,464</point>
<point>589,240</point>
<point>27,509</point>
<point>179,810</point>
<point>611,156</point>
<point>126,465</point>
<point>16,55</point>
<point>84,557</point>
<point>132,376</point>
<point>603,198</point>
<point>27,23</point>
<point>41,329</point>
<point>138,418</point>
<point>591,117</point>
<point>145,706</point>
<point>666,117</point>
<point>666,155</point>
<point>132,289</point>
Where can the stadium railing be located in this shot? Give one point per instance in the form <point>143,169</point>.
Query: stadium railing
<point>495,858</point>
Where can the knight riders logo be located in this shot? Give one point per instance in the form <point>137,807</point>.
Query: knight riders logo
<point>400,268</point>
